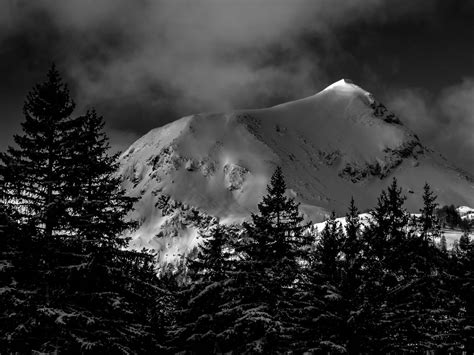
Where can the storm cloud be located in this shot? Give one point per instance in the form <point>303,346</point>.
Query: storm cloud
<point>145,63</point>
<point>445,121</point>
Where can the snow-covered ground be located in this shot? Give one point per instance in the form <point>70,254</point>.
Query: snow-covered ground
<point>451,235</point>
<point>338,143</point>
<point>466,212</point>
<point>364,219</point>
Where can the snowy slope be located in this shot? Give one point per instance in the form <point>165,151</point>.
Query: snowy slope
<point>452,236</point>
<point>466,212</point>
<point>336,144</point>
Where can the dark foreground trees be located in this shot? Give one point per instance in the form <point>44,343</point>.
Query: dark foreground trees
<point>379,285</point>
<point>69,284</point>
<point>241,295</point>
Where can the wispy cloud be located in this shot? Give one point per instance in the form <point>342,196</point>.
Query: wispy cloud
<point>445,121</point>
<point>208,55</point>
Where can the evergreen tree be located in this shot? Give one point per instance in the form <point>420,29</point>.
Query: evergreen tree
<point>99,205</point>
<point>35,173</point>
<point>455,248</point>
<point>76,288</point>
<point>442,244</point>
<point>384,261</point>
<point>430,227</point>
<point>387,229</point>
<point>449,216</point>
<point>328,250</point>
<point>414,311</point>
<point>353,241</point>
<point>323,310</point>
<point>118,289</point>
<point>464,242</point>
<point>421,241</point>
<point>34,181</point>
<point>267,270</point>
<point>200,321</point>
<point>352,298</point>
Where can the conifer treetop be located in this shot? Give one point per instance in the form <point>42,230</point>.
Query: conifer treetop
<point>49,99</point>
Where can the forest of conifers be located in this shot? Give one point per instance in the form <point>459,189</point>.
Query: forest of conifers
<point>69,284</point>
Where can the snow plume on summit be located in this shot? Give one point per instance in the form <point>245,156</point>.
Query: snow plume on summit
<point>338,143</point>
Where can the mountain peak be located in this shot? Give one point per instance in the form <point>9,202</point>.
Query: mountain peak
<point>344,85</point>
<point>345,81</point>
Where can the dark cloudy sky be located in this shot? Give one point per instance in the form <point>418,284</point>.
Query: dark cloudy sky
<point>144,63</point>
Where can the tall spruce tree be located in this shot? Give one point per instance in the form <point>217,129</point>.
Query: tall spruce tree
<point>411,298</point>
<point>383,259</point>
<point>464,242</point>
<point>78,290</point>
<point>200,320</point>
<point>353,239</point>
<point>98,203</point>
<point>387,229</point>
<point>443,246</point>
<point>328,250</point>
<point>321,320</point>
<point>428,231</point>
<point>351,288</point>
<point>35,173</point>
<point>267,271</point>
<point>102,275</point>
<point>430,227</point>
<point>34,180</point>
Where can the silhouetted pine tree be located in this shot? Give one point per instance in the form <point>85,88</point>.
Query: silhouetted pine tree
<point>200,322</point>
<point>430,227</point>
<point>79,290</point>
<point>98,203</point>
<point>443,246</point>
<point>464,242</point>
<point>421,241</point>
<point>267,270</point>
<point>415,314</point>
<point>322,316</point>
<point>34,183</point>
<point>388,228</point>
<point>353,239</point>
<point>36,171</point>
<point>352,299</point>
<point>384,238</point>
<point>328,250</point>
<point>120,287</point>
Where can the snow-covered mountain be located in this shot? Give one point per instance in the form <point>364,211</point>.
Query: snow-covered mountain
<point>338,143</point>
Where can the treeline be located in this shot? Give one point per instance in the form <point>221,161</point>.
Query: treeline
<point>449,217</point>
<point>271,285</point>
<point>274,286</point>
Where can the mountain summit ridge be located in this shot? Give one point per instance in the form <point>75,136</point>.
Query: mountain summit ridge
<point>338,143</point>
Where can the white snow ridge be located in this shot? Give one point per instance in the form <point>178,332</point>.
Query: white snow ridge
<point>338,143</point>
